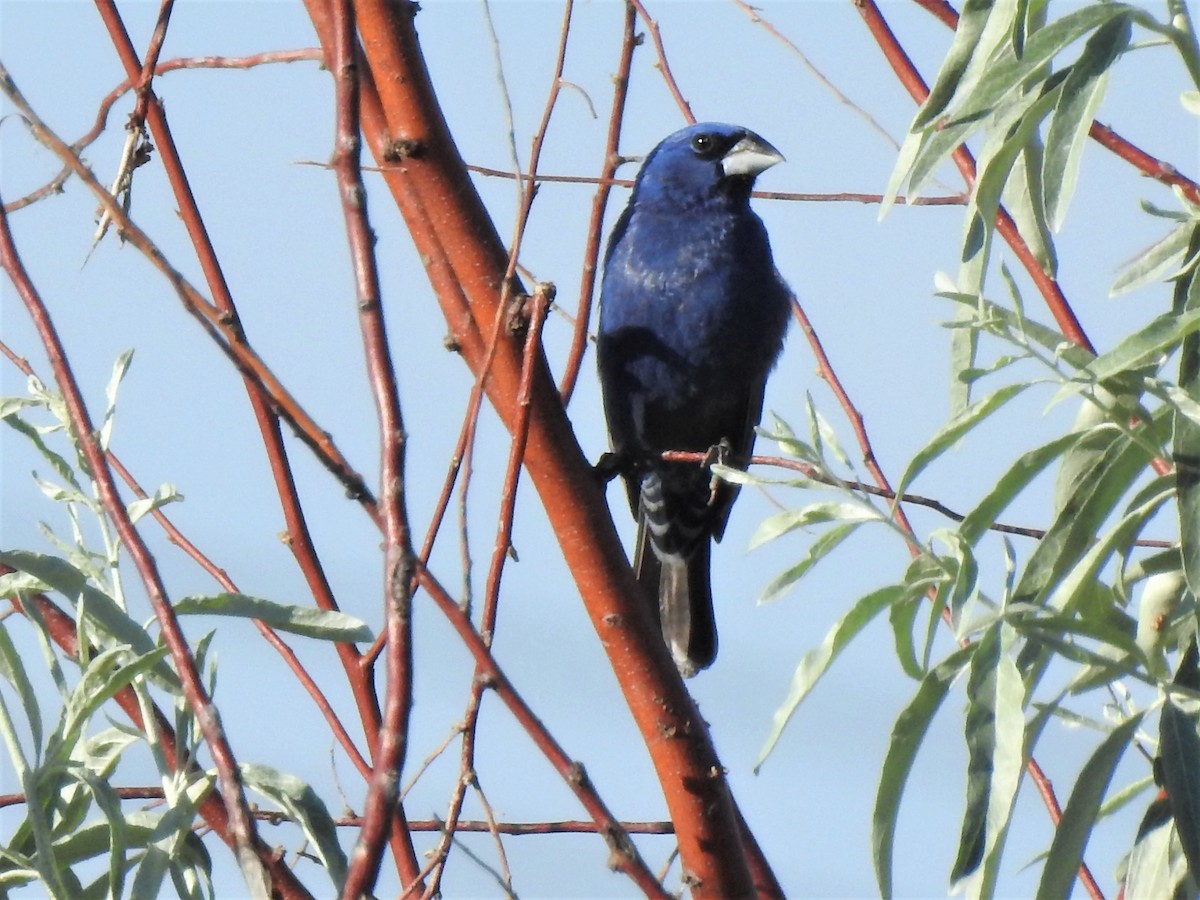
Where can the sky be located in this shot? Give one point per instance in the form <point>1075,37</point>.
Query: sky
<point>252,142</point>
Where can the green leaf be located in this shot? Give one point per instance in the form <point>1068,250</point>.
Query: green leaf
<point>1153,263</point>
<point>101,610</point>
<point>907,735</point>
<point>994,695</point>
<point>1022,197</point>
<point>952,431</point>
<point>166,493</point>
<point>1158,337</point>
<point>1012,72</point>
<point>120,367</point>
<point>1156,866</point>
<point>817,551</point>
<point>818,660</point>
<point>820,513</point>
<point>306,809</point>
<point>1179,753</point>
<point>1018,477</point>
<point>1073,115</point>
<point>1079,815</point>
<point>12,667</point>
<point>967,44</point>
<point>1072,532</point>
<point>304,620</point>
<point>1186,441</point>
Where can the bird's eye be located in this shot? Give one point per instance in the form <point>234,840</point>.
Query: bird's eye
<point>704,145</point>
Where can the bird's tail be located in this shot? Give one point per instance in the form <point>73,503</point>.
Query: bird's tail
<point>680,595</point>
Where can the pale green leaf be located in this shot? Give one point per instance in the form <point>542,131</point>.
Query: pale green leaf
<point>1076,108</point>
<point>817,661</point>
<point>1079,815</point>
<point>952,431</point>
<point>304,620</point>
<point>818,550</point>
<point>907,735</point>
<point>820,513</point>
<point>304,807</point>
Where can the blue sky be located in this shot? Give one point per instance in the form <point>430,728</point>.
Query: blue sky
<point>246,139</point>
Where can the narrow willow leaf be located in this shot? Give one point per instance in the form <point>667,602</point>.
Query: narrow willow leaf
<point>166,493</point>
<point>1156,261</point>
<point>818,550</point>
<point>820,513</point>
<point>971,21</point>
<point>964,346</point>
<point>304,620</point>
<point>1156,866</point>
<point>980,727</point>
<point>818,660</point>
<point>907,735</point>
<point>1179,753</point>
<point>1011,72</point>
<point>1022,197</point>
<point>12,667</point>
<point>1012,135</point>
<point>1186,441</point>
<point>105,674</point>
<point>1079,815</point>
<point>120,367</point>
<point>1027,467</point>
<point>1072,532</point>
<point>952,431</point>
<point>103,612</point>
<point>1158,337</point>
<point>1005,768</point>
<point>1077,105</point>
<point>306,809</point>
<point>1085,573</point>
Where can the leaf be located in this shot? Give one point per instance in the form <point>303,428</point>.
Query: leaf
<point>1072,531</point>
<point>907,735</point>
<point>120,367</point>
<point>1156,866</point>
<point>1019,475</point>
<point>952,431</point>
<point>1179,753</point>
<point>816,662</point>
<point>1011,72</point>
<point>966,44</point>
<point>1158,337</point>
<point>817,551</point>
<point>822,512</point>
<point>306,809</point>
<point>1186,441</point>
<point>1077,104</point>
<point>1153,263</point>
<point>166,493</point>
<point>994,729</point>
<point>1022,197</point>
<point>1079,815</point>
<point>304,620</point>
<point>112,621</point>
<point>12,667</point>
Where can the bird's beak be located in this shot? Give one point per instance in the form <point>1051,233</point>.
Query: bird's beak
<point>749,156</point>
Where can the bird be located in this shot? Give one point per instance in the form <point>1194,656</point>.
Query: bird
<point>693,313</point>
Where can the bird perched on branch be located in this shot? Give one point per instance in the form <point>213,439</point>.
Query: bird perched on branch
<point>692,318</point>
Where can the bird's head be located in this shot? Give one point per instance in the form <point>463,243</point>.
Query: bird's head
<point>702,161</point>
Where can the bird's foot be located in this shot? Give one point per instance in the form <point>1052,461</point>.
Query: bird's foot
<point>610,465</point>
<point>720,454</point>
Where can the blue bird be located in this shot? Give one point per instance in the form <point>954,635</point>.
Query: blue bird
<point>692,318</point>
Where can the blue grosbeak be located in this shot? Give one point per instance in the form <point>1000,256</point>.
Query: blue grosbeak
<point>692,318</point>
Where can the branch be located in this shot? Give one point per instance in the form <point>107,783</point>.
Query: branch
<point>466,262</point>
